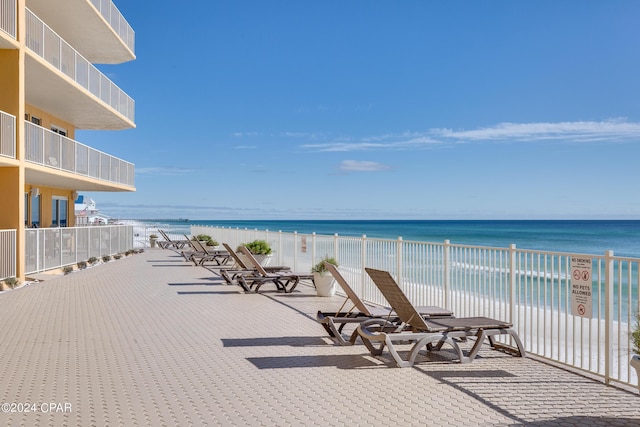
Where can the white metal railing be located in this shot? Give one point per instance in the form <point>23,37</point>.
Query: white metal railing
<point>8,15</point>
<point>53,150</point>
<point>47,44</point>
<point>112,15</point>
<point>7,135</point>
<point>50,248</point>
<point>7,254</point>
<point>531,289</point>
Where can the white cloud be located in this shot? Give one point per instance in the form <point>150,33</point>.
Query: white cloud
<point>610,130</point>
<point>617,130</point>
<point>361,166</point>
<point>164,171</point>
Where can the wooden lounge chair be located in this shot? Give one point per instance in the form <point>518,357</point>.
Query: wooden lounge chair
<point>168,242</point>
<point>335,322</point>
<point>285,281</point>
<point>426,332</point>
<point>201,254</point>
<point>230,275</point>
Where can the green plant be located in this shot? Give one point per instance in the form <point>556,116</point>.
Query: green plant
<point>117,256</point>
<point>92,260</point>
<point>203,237</point>
<point>67,269</point>
<point>11,282</point>
<point>258,247</point>
<point>212,242</point>
<point>635,336</point>
<point>106,258</point>
<point>82,264</point>
<point>320,268</point>
<point>129,252</point>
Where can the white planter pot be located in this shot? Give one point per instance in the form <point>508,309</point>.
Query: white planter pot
<point>325,284</point>
<point>635,364</point>
<point>263,260</point>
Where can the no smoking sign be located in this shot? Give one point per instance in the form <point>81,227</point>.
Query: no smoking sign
<point>581,287</point>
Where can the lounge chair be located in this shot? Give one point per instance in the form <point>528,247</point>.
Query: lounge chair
<point>230,275</point>
<point>285,281</point>
<point>168,242</point>
<point>202,254</point>
<point>334,322</point>
<point>426,332</point>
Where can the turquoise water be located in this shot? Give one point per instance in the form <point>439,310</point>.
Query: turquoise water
<point>576,236</point>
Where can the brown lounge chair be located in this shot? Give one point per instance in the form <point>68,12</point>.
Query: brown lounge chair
<point>230,274</point>
<point>335,322</point>
<point>201,254</point>
<point>285,281</point>
<point>426,332</point>
<point>168,242</point>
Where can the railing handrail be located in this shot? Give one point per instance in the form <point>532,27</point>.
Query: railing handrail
<point>97,89</point>
<point>111,14</point>
<point>30,156</point>
<point>8,17</point>
<point>7,135</point>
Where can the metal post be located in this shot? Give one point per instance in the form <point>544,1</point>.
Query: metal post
<point>608,314</point>
<point>446,272</point>
<point>399,272</point>
<point>512,282</point>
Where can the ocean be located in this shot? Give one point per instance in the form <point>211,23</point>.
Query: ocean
<point>575,236</point>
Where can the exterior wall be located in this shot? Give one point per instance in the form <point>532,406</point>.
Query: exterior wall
<point>46,202</point>
<point>48,119</point>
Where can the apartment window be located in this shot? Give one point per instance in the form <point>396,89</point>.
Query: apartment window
<point>36,120</point>
<point>26,210</point>
<point>59,210</point>
<point>58,130</point>
<point>34,212</point>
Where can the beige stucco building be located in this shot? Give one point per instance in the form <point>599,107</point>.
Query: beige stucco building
<point>49,88</point>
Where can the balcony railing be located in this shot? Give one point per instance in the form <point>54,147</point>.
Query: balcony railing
<point>531,289</point>
<point>47,44</point>
<point>8,17</point>
<point>7,254</point>
<point>7,135</point>
<point>110,12</point>
<point>50,149</point>
<point>50,248</point>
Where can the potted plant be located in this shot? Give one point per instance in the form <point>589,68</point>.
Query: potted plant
<point>261,251</point>
<point>324,281</point>
<point>152,240</point>
<point>635,341</point>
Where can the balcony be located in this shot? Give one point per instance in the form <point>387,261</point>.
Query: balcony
<point>83,168</point>
<point>69,85</point>
<point>7,21</point>
<point>7,136</point>
<point>96,28</point>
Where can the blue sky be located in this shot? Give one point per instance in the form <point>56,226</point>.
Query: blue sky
<point>380,109</point>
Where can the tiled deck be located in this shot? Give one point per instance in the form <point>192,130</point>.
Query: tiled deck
<point>151,340</point>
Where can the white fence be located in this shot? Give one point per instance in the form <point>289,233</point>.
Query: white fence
<point>8,16</point>
<point>7,135</point>
<point>530,288</point>
<point>110,12</point>
<point>50,248</point>
<point>8,252</point>
<point>50,149</point>
<point>47,44</point>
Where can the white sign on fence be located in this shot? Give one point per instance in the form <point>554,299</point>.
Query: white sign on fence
<point>581,287</point>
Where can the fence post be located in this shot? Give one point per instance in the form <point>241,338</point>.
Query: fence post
<point>313,248</point>
<point>295,251</point>
<point>363,262</point>
<point>608,314</point>
<point>281,257</point>
<point>447,272</point>
<point>512,282</point>
<point>335,246</point>
<point>399,272</point>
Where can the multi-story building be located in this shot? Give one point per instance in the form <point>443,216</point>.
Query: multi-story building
<point>49,88</point>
